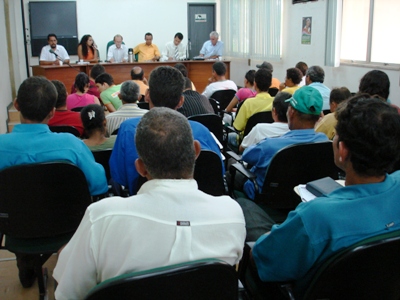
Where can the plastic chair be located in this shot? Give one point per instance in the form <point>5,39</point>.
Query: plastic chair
<point>208,173</point>
<point>41,206</point>
<point>197,280</point>
<point>102,157</point>
<point>223,97</point>
<point>65,128</point>
<point>213,123</point>
<point>143,105</point>
<point>260,117</point>
<point>273,91</point>
<point>77,109</point>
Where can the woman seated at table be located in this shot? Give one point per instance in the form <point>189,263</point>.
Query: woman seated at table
<point>94,122</point>
<point>87,49</point>
<point>81,98</point>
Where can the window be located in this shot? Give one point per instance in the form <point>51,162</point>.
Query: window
<point>252,29</point>
<point>369,31</point>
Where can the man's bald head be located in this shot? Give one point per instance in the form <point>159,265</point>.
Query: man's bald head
<point>137,73</point>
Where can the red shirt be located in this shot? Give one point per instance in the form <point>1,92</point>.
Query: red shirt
<point>67,117</point>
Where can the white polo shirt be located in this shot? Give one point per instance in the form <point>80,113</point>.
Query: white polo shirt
<point>47,55</point>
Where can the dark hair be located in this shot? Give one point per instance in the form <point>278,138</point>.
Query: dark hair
<point>164,142</point>
<point>220,68</point>
<point>263,78</point>
<point>81,81</point>
<point>105,78</point>
<point>62,93</point>
<point>182,68</point>
<point>338,95</point>
<point>36,98</point>
<point>147,33</point>
<point>375,82</point>
<point>129,91</point>
<point>166,87</point>
<point>96,70</point>
<point>188,83</point>
<point>302,66</point>
<point>294,74</point>
<point>250,76</point>
<point>281,106</point>
<point>370,129</point>
<point>93,117</point>
<point>85,49</point>
<point>50,35</point>
<point>135,75</point>
<point>316,74</point>
<point>179,36</point>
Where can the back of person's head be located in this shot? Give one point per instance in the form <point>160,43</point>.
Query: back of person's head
<point>62,93</point>
<point>188,84</point>
<point>370,129</point>
<point>105,78</point>
<point>250,76</point>
<point>129,91</point>
<point>182,68</point>
<point>96,70</point>
<point>164,143</point>
<point>316,74</point>
<point>280,105</point>
<point>36,98</point>
<point>179,36</point>
<point>263,78</point>
<point>294,74</point>
<point>166,87</point>
<point>307,102</point>
<point>81,81</point>
<point>302,66</point>
<point>338,95</point>
<point>375,82</point>
<point>93,117</point>
<point>219,68</point>
<point>137,73</point>
<point>51,35</point>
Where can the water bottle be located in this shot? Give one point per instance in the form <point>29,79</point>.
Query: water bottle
<point>130,55</point>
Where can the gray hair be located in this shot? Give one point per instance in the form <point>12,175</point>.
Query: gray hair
<point>214,33</point>
<point>129,91</point>
<point>316,74</point>
<point>118,35</point>
<point>164,142</point>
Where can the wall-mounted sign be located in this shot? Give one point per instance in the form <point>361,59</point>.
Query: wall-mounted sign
<point>200,17</point>
<point>306,31</point>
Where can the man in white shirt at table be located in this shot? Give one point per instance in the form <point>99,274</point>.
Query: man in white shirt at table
<point>174,50</point>
<point>53,54</point>
<point>118,52</point>
<point>212,48</point>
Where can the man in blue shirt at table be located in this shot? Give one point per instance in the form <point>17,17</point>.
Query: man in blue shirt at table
<point>212,48</point>
<point>33,142</point>
<point>165,90</point>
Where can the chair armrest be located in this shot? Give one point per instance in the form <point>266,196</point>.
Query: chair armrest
<point>242,169</point>
<point>231,129</point>
<point>234,155</point>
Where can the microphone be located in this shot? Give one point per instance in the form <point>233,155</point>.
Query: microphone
<point>51,51</point>
<point>59,58</point>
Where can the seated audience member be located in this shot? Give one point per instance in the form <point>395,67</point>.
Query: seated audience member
<point>270,130</point>
<point>242,94</point>
<point>302,66</point>
<point>108,91</point>
<point>181,67</point>
<point>170,221</point>
<point>219,81</point>
<point>315,77</point>
<point>261,102</point>
<point>292,80</point>
<point>165,90</point>
<point>327,123</point>
<point>304,110</point>
<point>129,95</point>
<point>274,81</point>
<point>81,97</point>
<point>63,116</point>
<point>147,51</point>
<point>53,54</point>
<point>137,75</point>
<point>87,49</point>
<point>376,82</point>
<point>95,124</point>
<point>118,52</point>
<point>366,146</point>
<point>174,50</point>
<point>33,142</point>
<point>96,70</point>
<point>212,48</point>
<point>194,103</point>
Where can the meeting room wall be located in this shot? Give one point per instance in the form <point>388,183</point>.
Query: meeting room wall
<point>314,54</point>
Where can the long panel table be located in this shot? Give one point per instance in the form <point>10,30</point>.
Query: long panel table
<point>198,71</point>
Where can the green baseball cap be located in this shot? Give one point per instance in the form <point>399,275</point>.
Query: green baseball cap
<point>307,100</point>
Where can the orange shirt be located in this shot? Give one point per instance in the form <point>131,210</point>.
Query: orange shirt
<point>90,55</point>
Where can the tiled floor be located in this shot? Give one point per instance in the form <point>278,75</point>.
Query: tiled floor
<point>11,288</point>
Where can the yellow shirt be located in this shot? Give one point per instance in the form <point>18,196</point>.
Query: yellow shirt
<point>291,90</point>
<point>146,52</point>
<point>327,125</point>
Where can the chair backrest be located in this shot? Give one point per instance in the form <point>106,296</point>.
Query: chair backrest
<point>65,128</point>
<point>202,279</point>
<point>109,44</point>
<point>143,105</point>
<point>77,109</point>
<point>208,173</point>
<point>102,157</point>
<point>224,97</point>
<point>260,117</point>
<point>215,105</point>
<point>294,165</point>
<point>115,132</point>
<point>42,200</point>
<point>213,123</point>
<point>370,269</point>
<point>273,91</point>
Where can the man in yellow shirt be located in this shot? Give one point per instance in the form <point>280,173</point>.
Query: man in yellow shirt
<point>147,51</point>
